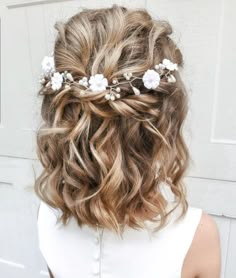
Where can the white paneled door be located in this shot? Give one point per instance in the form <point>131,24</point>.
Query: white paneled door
<point>204,29</point>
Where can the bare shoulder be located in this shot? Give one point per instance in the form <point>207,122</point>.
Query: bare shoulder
<point>203,259</point>
<point>207,242</point>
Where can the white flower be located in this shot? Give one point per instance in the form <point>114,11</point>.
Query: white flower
<point>84,81</point>
<point>169,65</point>
<point>48,65</point>
<point>56,81</point>
<point>161,66</point>
<point>151,79</point>
<point>98,82</point>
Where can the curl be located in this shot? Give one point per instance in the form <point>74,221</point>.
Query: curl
<point>104,162</point>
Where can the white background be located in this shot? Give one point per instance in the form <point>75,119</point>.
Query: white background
<point>205,32</point>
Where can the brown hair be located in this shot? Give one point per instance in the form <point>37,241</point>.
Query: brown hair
<point>104,161</point>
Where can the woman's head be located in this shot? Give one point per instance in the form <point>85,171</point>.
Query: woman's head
<point>104,161</point>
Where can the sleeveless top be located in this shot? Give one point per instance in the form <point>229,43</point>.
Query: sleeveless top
<point>72,251</point>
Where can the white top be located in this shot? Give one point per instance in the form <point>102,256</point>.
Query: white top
<point>72,252</point>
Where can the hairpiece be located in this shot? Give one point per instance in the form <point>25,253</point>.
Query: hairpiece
<point>151,78</point>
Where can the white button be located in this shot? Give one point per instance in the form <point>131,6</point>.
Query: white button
<point>96,255</point>
<point>96,271</point>
<point>96,240</point>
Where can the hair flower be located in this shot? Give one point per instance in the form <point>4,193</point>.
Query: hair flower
<point>84,81</point>
<point>56,81</point>
<point>169,65</point>
<point>151,79</point>
<point>98,82</point>
<point>48,65</point>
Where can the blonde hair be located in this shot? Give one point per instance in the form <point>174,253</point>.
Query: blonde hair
<point>104,161</point>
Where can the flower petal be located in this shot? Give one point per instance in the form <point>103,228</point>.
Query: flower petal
<point>151,79</point>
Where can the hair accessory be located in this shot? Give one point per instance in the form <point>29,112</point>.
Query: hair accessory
<point>151,78</point>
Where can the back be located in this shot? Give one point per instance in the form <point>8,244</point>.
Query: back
<point>72,251</point>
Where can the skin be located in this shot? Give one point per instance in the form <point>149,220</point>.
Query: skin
<point>203,259</point>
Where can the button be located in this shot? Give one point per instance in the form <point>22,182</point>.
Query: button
<point>96,255</point>
<point>96,240</point>
<point>96,271</point>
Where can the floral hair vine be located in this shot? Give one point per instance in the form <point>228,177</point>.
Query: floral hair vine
<point>151,78</point>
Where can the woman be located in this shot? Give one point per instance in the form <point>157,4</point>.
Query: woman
<point>113,110</point>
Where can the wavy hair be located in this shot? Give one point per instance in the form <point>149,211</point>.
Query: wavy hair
<point>104,161</point>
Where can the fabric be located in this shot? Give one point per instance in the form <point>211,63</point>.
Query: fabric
<point>73,252</point>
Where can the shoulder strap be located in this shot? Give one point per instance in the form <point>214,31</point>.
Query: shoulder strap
<point>46,221</point>
<point>177,236</point>
<point>186,232</point>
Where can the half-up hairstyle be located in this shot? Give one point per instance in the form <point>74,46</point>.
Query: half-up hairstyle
<point>104,161</point>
